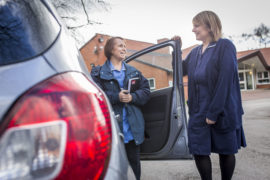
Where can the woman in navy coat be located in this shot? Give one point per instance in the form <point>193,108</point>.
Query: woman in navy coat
<point>113,78</point>
<point>214,99</point>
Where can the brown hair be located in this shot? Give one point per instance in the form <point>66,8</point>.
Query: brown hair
<point>211,21</point>
<point>109,46</point>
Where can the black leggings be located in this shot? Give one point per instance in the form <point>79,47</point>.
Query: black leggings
<point>133,154</point>
<point>204,166</point>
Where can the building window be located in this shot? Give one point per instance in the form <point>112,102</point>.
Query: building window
<point>241,76</point>
<point>152,83</point>
<point>263,77</point>
<point>92,65</point>
<point>259,75</point>
<point>170,84</point>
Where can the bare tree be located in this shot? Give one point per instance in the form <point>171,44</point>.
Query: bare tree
<point>262,33</point>
<point>77,13</point>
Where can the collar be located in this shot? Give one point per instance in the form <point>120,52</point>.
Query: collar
<point>106,69</point>
<point>212,44</point>
<point>123,68</point>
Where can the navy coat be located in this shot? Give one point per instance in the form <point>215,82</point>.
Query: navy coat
<point>221,102</point>
<point>103,76</point>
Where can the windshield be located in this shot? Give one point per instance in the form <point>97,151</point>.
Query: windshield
<point>26,30</point>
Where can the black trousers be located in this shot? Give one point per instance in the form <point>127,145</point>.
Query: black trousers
<point>204,166</point>
<point>133,154</point>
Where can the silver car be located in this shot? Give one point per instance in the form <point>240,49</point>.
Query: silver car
<point>55,122</point>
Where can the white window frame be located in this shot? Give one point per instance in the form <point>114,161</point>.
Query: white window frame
<point>263,78</point>
<point>153,79</point>
<point>244,79</point>
<point>170,83</point>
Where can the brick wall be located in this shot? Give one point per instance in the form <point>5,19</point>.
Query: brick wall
<point>93,51</point>
<point>263,86</point>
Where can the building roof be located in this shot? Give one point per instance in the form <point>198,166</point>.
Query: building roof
<point>266,54</point>
<point>263,55</point>
<point>168,69</point>
<point>157,59</point>
<point>242,54</point>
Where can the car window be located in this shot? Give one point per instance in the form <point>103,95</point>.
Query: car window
<point>156,67</point>
<point>26,30</point>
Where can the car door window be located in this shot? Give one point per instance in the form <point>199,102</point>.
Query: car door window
<point>156,66</point>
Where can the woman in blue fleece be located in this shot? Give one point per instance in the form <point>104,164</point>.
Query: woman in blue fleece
<point>214,99</point>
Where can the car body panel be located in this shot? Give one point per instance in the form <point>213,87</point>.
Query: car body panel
<point>64,55</point>
<point>17,78</point>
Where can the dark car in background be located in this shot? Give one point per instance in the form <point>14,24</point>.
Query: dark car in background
<point>55,122</point>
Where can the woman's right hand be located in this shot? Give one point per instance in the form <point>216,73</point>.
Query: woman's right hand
<point>124,96</point>
<point>177,38</point>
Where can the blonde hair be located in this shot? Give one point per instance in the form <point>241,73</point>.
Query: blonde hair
<point>211,21</point>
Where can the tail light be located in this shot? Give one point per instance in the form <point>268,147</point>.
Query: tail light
<point>59,129</point>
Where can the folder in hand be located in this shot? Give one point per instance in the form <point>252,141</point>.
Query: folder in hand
<point>133,84</point>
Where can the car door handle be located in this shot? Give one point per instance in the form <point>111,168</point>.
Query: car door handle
<point>121,135</point>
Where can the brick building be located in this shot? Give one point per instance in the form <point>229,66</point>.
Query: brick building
<point>156,66</point>
<point>93,50</point>
<point>253,65</point>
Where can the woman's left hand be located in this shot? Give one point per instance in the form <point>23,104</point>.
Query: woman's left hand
<point>176,37</point>
<point>208,121</point>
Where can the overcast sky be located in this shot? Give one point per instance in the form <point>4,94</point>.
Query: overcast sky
<point>149,20</point>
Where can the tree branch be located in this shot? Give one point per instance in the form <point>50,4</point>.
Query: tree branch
<point>68,17</point>
<point>85,12</point>
<point>82,25</point>
<point>77,13</point>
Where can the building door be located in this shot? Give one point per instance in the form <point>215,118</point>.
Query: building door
<point>249,80</point>
<point>246,79</point>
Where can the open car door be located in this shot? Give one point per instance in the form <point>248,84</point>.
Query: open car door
<point>164,114</point>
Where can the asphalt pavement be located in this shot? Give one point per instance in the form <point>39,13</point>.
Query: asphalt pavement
<point>252,162</point>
